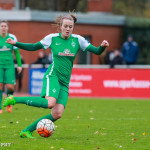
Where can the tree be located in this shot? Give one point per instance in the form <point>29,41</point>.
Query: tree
<point>130,7</point>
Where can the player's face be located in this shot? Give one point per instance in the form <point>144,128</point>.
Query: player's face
<point>67,28</point>
<point>3,28</point>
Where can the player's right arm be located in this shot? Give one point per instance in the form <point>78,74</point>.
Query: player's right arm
<point>25,46</point>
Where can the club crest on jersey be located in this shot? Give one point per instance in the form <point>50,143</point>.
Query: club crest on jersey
<point>73,44</point>
<point>54,90</point>
<point>66,52</point>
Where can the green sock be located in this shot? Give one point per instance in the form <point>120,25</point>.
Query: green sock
<point>1,97</point>
<point>9,92</point>
<point>32,127</point>
<point>32,101</point>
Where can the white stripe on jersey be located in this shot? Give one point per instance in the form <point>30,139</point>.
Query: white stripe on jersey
<point>46,41</point>
<point>52,65</point>
<point>47,87</point>
<point>15,39</point>
<point>82,41</point>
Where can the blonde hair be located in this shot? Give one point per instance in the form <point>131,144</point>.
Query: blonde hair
<point>59,20</point>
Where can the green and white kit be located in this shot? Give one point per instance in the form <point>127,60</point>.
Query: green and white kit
<point>7,71</point>
<point>57,77</point>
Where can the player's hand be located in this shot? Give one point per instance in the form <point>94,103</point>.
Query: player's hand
<point>10,41</point>
<point>19,69</point>
<point>105,43</point>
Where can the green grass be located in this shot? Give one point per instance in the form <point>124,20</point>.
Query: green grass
<point>87,124</point>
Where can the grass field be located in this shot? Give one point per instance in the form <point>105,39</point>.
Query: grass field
<point>87,124</point>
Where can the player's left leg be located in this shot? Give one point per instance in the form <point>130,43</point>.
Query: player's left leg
<point>50,89</point>
<point>31,101</point>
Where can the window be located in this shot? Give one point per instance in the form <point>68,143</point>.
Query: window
<point>84,57</point>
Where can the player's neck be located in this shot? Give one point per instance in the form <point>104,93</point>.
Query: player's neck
<point>3,35</point>
<point>65,37</point>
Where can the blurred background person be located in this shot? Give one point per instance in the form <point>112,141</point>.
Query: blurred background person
<point>42,59</point>
<point>18,76</point>
<point>117,59</point>
<point>7,69</point>
<point>109,56</point>
<point>130,51</point>
<point>50,58</point>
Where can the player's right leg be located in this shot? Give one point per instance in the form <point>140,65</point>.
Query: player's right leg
<point>9,80</point>
<point>1,97</point>
<point>1,88</point>
<point>56,112</point>
<point>26,134</point>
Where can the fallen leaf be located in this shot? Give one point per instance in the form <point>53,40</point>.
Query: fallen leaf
<point>134,139</point>
<point>144,133</point>
<point>91,111</point>
<point>96,132</point>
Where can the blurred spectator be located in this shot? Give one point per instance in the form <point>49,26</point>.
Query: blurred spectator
<point>42,59</point>
<point>19,75</point>
<point>50,58</point>
<point>109,56</point>
<point>117,59</point>
<point>130,51</point>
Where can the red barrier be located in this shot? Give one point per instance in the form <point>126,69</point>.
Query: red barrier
<point>110,83</point>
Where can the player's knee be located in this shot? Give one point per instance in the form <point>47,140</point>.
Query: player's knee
<point>57,115</point>
<point>51,102</point>
<point>1,86</point>
<point>10,87</point>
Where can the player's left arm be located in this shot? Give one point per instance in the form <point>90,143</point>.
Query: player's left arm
<point>17,54</point>
<point>97,50</point>
<point>18,58</point>
<point>87,46</point>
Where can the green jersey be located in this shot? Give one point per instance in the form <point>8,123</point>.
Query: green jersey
<point>63,52</point>
<point>6,52</point>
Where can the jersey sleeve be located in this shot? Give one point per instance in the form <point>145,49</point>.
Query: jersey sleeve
<point>15,39</point>
<point>83,43</point>
<point>46,41</point>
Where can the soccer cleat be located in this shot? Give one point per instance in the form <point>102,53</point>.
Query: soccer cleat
<point>9,101</point>
<point>9,108</point>
<point>1,111</point>
<point>26,134</point>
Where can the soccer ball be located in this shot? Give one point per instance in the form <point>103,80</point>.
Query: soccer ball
<point>45,128</point>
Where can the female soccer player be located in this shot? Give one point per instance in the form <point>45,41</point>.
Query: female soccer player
<point>7,70</point>
<point>64,47</point>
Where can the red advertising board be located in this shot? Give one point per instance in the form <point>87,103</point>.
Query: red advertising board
<point>110,83</point>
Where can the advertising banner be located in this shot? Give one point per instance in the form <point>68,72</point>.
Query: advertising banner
<point>125,83</point>
<point>36,80</point>
<point>110,83</point>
